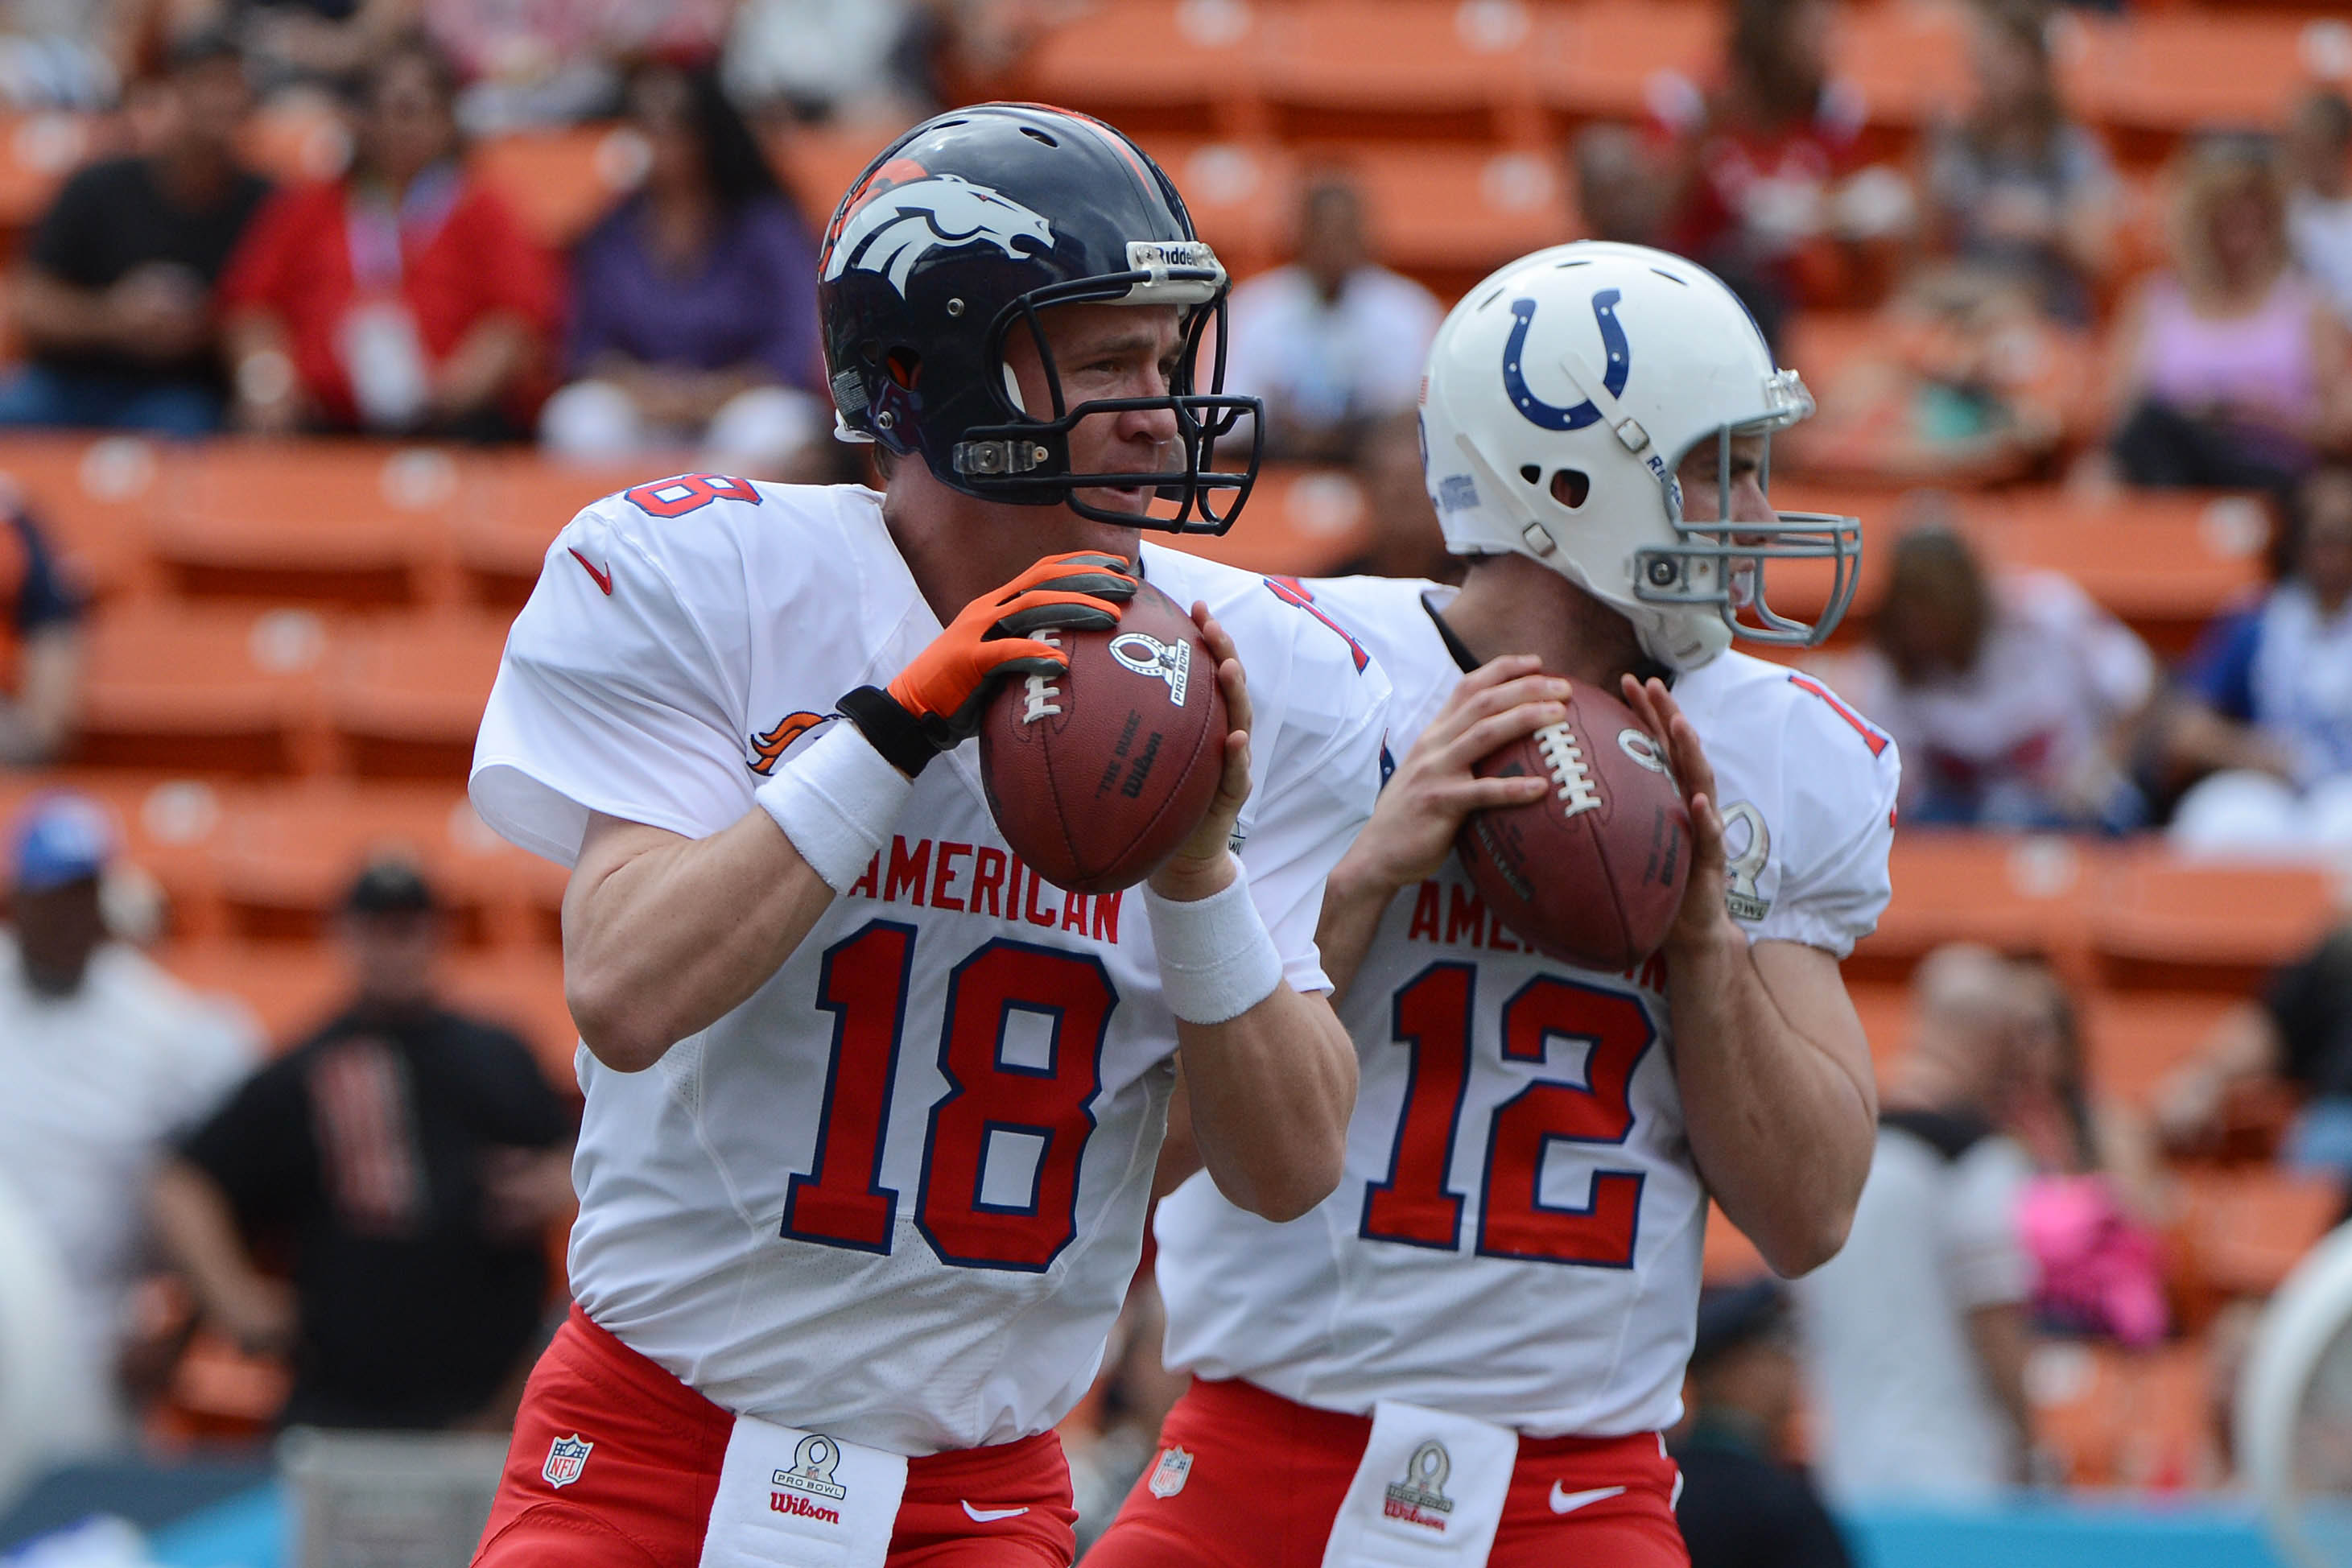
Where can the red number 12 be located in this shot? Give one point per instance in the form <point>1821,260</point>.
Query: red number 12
<point>1414,1206</point>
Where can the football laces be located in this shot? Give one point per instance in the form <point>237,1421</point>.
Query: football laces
<point>1564,758</point>
<point>1040,694</point>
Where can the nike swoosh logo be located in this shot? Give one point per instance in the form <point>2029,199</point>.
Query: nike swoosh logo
<point>986,1515</point>
<point>603,578</point>
<point>1568,1502</point>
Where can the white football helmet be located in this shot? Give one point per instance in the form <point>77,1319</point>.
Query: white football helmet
<point>1564,393</point>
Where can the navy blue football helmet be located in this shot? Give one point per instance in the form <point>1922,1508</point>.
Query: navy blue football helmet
<point>955,237</point>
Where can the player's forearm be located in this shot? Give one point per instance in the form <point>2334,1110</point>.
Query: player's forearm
<point>663,935</point>
<point>1270,1093</point>
<point>1353,902</point>
<point>1781,1132</point>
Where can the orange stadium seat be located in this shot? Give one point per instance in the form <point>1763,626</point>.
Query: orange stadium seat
<point>1603,55</point>
<point>2134,1040</point>
<point>345,523</point>
<point>289,854</point>
<point>2166,564</point>
<point>2176,71</point>
<point>817,162</point>
<point>510,507</point>
<point>1449,216</point>
<point>1401,69</point>
<point>91,497</point>
<point>1242,195</point>
<point>1911,62</point>
<point>2115,1417</point>
<point>2160,921</point>
<point>290,988</point>
<point>1152,65</point>
<point>2019,894</point>
<point>560,182</point>
<point>406,693</point>
<point>2242,1231</point>
<point>210,691</point>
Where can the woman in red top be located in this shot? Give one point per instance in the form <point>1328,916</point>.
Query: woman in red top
<point>402,297</point>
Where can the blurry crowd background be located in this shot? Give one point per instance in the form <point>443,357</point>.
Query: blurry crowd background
<point>324,314</point>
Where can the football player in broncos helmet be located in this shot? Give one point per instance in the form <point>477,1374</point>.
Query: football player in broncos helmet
<point>1467,1352</point>
<point>871,1109</point>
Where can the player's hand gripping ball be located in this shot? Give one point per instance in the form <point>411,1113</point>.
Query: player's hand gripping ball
<point>1592,871</point>
<point>1097,772</point>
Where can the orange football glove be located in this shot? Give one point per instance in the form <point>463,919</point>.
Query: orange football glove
<point>935,703</point>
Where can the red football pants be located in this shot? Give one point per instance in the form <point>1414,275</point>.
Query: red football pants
<point>1267,1478</point>
<point>642,1497</point>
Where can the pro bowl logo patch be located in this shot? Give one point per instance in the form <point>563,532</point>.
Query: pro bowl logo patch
<point>1420,1499</point>
<point>895,229</point>
<point>1148,655</point>
<point>1169,1476</point>
<point>566,1457</point>
<point>812,1465</point>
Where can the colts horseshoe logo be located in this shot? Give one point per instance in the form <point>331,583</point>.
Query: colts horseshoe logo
<point>1551,416</point>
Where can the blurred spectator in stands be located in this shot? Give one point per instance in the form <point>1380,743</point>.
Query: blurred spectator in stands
<point>849,62</point>
<point>403,297</point>
<point>69,53</point>
<point>1621,188</point>
<point>2298,1033</point>
<point>2092,1216</point>
<point>694,302</point>
<point>2318,147</point>
<point>317,41</point>
<point>2229,370</point>
<point>41,641</point>
<point>2018,188</point>
<point>1916,1335</point>
<point>1403,537</point>
<point>2260,727</point>
<point>2017,702</point>
<point>1739,1504</point>
<point>534,63</point>
<point>1963,382</point>
<point>414,1157</point>
<point>1767,192</point>
<point>1334,343</point>
<point>115,294</point>
<point>104,1060</point>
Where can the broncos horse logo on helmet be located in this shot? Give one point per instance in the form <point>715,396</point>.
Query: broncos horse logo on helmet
<point>896,228</point>
<point>964,232</point>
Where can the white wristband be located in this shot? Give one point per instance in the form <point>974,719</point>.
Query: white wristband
<point>1217,960</point>
<point>836,802</point>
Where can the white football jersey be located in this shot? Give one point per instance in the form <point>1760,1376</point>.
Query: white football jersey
<point>1517,1234</point>
<point>899,1194</point>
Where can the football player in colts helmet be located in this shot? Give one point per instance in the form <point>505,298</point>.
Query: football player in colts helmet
<point>1468,1351</point>
<point>1573,457</point>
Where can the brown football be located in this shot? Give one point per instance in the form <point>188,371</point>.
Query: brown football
<point>1593,871</point>
<point>1096,775</point>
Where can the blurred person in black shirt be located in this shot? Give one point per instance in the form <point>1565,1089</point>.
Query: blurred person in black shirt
<point>412,1157</point>
<point>1740,1507</point>
<point>115,296</point>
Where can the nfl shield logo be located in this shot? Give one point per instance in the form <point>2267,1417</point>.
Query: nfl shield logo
<point>1168,1476</point>
<point>566,1457</point>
